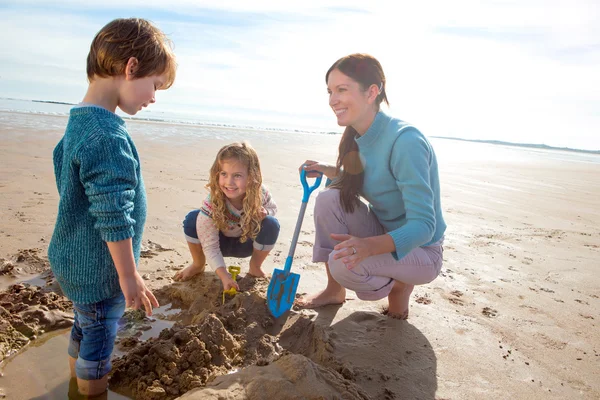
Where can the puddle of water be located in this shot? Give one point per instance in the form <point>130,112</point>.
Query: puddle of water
<point>166,310</point>
<point>33,280</point>
<point>41,371</point>
<point>156,325</point>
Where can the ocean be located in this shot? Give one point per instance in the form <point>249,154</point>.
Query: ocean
<point>162,125</point>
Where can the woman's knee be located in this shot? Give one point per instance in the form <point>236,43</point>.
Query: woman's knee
<point>327,199</point>
<point>348,278</point>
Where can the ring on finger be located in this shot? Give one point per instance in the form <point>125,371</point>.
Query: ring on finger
<point>353,250</point>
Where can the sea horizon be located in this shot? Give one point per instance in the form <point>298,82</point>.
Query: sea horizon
<point>61,108</point>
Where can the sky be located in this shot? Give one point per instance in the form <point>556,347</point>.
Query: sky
<point>518,71</point>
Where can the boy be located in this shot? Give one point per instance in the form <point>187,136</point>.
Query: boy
<point>96,242</point>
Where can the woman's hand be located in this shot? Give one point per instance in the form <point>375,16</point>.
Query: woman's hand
<point>353,250</point>
<point>313,168</point>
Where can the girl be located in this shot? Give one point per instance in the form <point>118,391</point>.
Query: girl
<point>385,248</point>
<point>237,218</point>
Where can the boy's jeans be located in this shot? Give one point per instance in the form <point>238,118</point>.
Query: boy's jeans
<point>93,336</point>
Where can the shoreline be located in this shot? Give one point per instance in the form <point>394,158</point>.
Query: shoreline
<point>223,125</point>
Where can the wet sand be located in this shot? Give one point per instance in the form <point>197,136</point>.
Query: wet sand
<point>513,315</point>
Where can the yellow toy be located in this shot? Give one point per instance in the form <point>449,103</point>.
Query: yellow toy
<point>234,270</point>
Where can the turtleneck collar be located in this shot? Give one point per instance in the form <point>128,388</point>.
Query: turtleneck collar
<point>381,120</point>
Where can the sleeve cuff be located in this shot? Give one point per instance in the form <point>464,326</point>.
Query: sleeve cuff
<point>117,236</point>
<point>217,262</point>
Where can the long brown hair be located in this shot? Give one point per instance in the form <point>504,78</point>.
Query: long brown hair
<point>252,203</point>
<point>366,71</point>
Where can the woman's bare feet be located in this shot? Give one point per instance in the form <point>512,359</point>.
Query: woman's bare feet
<point>331,295</point>
<point>189,272</point>
<point>398,300</point>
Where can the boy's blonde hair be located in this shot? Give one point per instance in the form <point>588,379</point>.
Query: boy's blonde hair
<point>124,38</point>
<point>250,220</point>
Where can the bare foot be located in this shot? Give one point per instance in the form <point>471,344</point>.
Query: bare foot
<point>324,298</point>
<point>398,300</point>
<point>256,272</point>
<point>188,272</point>
<point>402,316</point>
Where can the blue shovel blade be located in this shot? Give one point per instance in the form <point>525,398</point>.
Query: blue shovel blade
<point>281,292</point>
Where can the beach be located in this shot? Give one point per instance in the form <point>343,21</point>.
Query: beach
<point>513,315</point>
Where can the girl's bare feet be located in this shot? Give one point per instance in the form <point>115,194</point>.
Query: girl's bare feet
<point>256,272</point>
<point>398,300</point>
<point>188,272</point>
<point>256,261</point>
<point>331,295</point>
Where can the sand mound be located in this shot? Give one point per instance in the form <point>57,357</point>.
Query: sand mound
<point>180,359</point>
<point>25,312</point>
<point>211,339</point>
<point>291,377</point>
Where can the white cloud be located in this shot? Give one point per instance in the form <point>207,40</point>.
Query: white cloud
<point>515,71</point>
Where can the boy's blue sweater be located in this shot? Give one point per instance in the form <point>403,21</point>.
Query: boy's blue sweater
<point>401,183</point>
<point>102,199</point>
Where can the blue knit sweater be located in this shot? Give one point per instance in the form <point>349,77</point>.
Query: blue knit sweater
<point>102,199</point>
<point>401,183</point>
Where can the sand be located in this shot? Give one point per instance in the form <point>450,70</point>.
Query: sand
<point>514,313</point>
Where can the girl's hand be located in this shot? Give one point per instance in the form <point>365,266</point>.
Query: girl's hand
<point>353,250</point>
<point>315,167</point>
<point>263,213</point>
<point>229,283</point>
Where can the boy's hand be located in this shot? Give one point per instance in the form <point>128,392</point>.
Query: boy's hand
<point>137,294</point>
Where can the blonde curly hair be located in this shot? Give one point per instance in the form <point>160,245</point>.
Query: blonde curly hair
<point>252,203</point>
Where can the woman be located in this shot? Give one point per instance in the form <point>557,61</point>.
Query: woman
<point>395,242</point>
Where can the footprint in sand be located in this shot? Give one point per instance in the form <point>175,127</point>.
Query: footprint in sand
<point>456,301</point>
<point>489,312</point>
<point>582,302</point>
<point>455,298</point>
<point>151,249</point>
<point>550,343</point>
<point>423,300</point>
<point>21,216</point>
